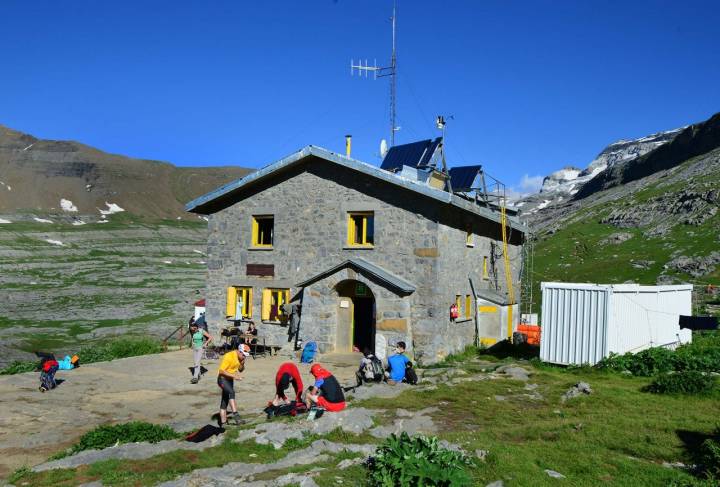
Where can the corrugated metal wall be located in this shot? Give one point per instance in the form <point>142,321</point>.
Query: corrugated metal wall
<point>574,323</point>
<point>582,323</point>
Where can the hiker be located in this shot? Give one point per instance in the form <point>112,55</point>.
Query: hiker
<point>400,367</point>
<point>371,368</point>
<point>200,322</point>
<point>326,391</point>
<point>200,339</point>
<point>49,366</point>
<point>287,374</point>
<point>231,365</point>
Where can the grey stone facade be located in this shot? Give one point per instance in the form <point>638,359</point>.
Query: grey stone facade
<point>417,238</point>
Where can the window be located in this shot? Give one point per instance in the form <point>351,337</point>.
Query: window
<point>361,229</point>
<point>262,231</point>
<point>469,237</point>
<point>485,274</point>
<point>468,306</point>
<point>239,302</point>
<point>458,303</point>
<point>272,301</point>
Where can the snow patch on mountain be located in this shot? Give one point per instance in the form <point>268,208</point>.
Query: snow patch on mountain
<point>4,221</point>
<point>42,220</point>
<point>112,208</point>
<point>67,205</point>
<point>563,184</point>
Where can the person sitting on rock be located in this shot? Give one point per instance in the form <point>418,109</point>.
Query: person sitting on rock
<point>326,391</point>
<point>287,374</point>
<point>370,370</point>
<point>397,364</point>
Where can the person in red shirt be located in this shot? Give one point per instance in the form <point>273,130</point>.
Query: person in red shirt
<point>287,374</point>
<point>326,392</point>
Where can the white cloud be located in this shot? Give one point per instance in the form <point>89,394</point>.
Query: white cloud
<point>527,185</point>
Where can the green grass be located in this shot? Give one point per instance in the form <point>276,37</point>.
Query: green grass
<point>618,435</point>
<point>101,351</point>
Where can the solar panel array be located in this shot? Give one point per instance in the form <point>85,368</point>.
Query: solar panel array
<point>461,178</point>
<point>415,154</point>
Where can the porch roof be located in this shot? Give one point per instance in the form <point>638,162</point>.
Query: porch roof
<point>365,267</point>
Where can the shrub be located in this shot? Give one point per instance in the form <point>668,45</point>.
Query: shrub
<point>684,382</point>
<point>108,435</point>
<point>710,456</point>
<point>18,367</point>
<point>703,354</point>
<point>412,461</point>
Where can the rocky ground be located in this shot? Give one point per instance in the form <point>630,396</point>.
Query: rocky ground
<point>66,286</point>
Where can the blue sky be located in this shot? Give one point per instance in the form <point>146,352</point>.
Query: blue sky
<point>532,86</point>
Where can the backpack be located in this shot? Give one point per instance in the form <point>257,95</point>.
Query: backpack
<point>377,368</point>
<point>411,376</point>
<point>308,353</point>
<point>292,409</point>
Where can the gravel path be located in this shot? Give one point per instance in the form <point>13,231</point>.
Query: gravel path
<point>154,388</point>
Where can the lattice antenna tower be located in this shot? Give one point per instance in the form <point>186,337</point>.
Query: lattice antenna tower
<point>528,264</point>
<point>383,72</point>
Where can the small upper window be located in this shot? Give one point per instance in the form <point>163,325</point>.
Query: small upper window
<point>469,237</point>
<point>361,229</point>
<point>485,273</point>
<point>263,227</point>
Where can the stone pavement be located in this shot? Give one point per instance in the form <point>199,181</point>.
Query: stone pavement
<point>153,388</point>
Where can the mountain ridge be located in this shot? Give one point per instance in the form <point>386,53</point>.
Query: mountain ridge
<point>77,182</point>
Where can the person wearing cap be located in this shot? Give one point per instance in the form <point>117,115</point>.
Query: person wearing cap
<point>326,392</point>
<point>231,365</point>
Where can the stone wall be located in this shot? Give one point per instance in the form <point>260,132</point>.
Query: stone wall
<point>416,238</point>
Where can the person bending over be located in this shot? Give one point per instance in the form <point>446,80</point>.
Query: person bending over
<point>233,362</point>
<point>326,392</point>
<point>287,374</point>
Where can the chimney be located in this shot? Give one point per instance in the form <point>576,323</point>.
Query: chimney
<point>348,145</point>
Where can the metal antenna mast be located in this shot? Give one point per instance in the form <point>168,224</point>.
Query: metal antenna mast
<point>382,72</point>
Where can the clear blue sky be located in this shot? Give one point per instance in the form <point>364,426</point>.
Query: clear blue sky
<point>532,86</point>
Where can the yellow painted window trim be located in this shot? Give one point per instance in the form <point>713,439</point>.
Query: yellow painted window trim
<point>231,303</point>
<point>352,229</point>
<point>256,232</point>
<point>282,296</point>
<point>485,274</point>
<point>469,237</point>
<point>468,306</point>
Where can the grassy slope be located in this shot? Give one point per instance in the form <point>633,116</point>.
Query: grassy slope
<point>102,269</point>
<point>616,436</point>
<point>575,253</point>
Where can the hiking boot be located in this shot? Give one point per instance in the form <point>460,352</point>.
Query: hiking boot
<point>42,389</point>
<point>194,380</point>
<point>237,419</point>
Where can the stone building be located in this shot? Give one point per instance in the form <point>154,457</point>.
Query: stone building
<point>372,255</point>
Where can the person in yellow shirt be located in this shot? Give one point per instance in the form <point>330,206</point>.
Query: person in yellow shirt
<point>231,365</point>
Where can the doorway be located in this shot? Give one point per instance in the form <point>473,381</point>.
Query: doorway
<point>356,317</point>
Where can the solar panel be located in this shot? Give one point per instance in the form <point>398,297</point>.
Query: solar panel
<point>461,178</point>
<point>415,154</point>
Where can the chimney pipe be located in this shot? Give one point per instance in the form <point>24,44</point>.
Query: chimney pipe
<point>348,145</point>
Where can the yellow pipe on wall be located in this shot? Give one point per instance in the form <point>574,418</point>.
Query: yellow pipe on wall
<point>348,145</point>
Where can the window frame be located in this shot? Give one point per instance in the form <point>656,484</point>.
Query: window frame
<point>468,306</point>
<point>485,273</point>
<point>232,297</point>
<point>469,236</point>
<point>282,297</point>
<point>352,229</point>
<point>255,233</point>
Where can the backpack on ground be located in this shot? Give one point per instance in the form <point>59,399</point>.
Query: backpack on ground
<point>308,353</point>
<point>376,367</point>
<point>410,375</point>
<point>292,409</point>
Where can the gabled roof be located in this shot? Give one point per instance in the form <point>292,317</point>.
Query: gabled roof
<point>365,267</point>
<point>461,178</point>
<point>228,194</point>
<point>415,154</point>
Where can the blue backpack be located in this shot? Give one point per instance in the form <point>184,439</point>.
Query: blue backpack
<point>308,353</point>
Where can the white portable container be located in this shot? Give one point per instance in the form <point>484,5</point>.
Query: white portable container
<point>584,323</point>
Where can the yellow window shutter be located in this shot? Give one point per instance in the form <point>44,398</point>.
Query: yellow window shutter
<point>249,303</point>
<point>468,305</point>
<point>231,301</point>
<point>255,238</point>
<point>351,230</point>
<point>485,268</point>
<point>266,302</point>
